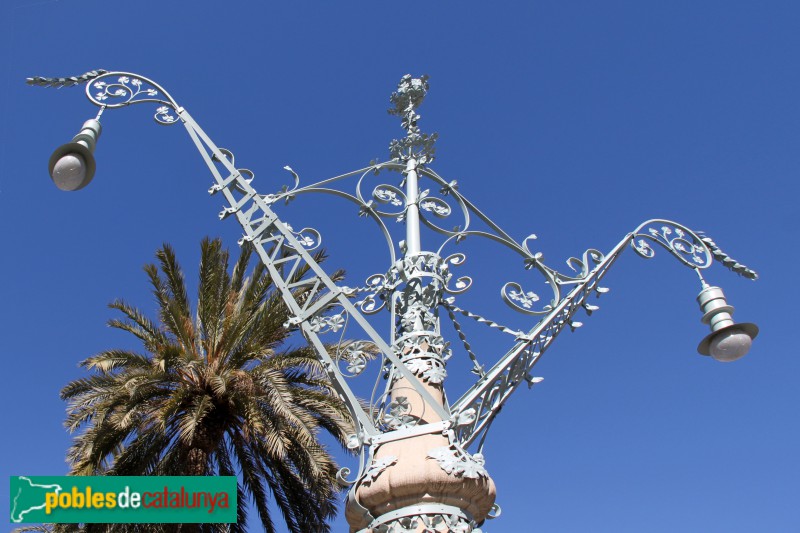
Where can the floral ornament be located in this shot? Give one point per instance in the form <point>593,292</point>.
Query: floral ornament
<point>438,207</point>
<point>164,116</point>
<point>445,457</point>
<point>681,242</point>
<point>472,468</point>
<point>308,238</point>
<point>356,366</point>
<point>466,466</point>
<point>356,354</point>
<point>124,87</point>
<point>643,248</point>
<point>465,417</point>
<point>521,300</point>
<point>527,299</point>
<point>409,95</point>
<point>396,415</point>
<point>418,366</point>
<point>417,317</point>
<point>450,187</point>
<point>126,90</point>
<point>440,346</point>
<point>378,466</point>
<point>323,324</point>
<point>387,196</point>
<point>435,374</point>
<point>305,240</point>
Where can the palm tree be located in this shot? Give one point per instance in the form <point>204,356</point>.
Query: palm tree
<point>215,392</point>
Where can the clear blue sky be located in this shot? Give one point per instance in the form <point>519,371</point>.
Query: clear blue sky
<point>571,120</point>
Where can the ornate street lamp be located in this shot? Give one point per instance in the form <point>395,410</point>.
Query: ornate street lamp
<point>417,472</point>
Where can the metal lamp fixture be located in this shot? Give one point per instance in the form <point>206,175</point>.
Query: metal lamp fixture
<point>72,164</point>
<point>727,341</point>
<point>422,465</point>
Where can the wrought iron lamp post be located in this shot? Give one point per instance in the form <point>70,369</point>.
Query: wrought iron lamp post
<point>417,472</point>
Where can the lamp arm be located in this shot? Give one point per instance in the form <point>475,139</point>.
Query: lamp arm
<point>480,404</point>
<point>485,398</point>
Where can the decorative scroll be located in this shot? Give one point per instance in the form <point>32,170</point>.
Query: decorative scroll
<point>461,284</point>
<point>521,300</point>
<point>286,192</point>
<point>378,289</point>
<point>679,240</point>
<point>122,91</point>
<point>308,238</point>
<point>341,477</point>
<point>390,195</point>
<point>117,89</point>
<point>164,116</point>
<point>582,267</point>
<point>434,205</point>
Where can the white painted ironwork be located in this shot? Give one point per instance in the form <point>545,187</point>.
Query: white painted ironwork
<point>417,285</point>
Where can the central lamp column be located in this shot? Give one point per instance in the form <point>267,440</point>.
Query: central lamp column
<point>419,490</point>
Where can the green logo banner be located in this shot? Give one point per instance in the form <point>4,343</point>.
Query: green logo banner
<point>122,499</point>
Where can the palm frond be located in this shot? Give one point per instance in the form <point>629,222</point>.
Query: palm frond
<point>215,392</point>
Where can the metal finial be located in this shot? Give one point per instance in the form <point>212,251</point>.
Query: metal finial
<point>406,99</point>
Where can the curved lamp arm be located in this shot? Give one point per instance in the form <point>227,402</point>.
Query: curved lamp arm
<point>728,341</point>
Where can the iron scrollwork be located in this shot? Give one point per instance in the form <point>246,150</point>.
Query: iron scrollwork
<point>680,241</point>
<point>419,352</point>
<point>119,89</point>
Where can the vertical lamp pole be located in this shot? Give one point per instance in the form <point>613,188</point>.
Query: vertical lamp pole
<point>422,465</point>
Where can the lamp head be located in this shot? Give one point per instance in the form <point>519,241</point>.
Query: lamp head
<point>727,341</point>
<point>72,165</point>
<point>729,344</point>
